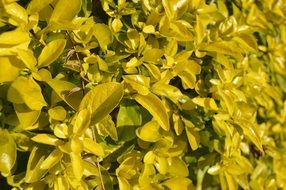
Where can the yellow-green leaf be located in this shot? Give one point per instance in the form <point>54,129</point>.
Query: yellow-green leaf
<point>155,106</point>
<point>150,132</point>
<point>103,35</point>
<point>193,137</point>
<point>57,113</point>
<point>82,122</point>
<point>26,116</point>
<point>51,52</point>
<point>7,152</point>
<point>52,159</point>
<point>34,171</point>
<point>10,65</point>
<point>65,10</point>
<point>102,99</point>
<point>28,58</point>
<point>178,183</point>
<point>208,103</point>
<point>26,90</point>
<point>14,37</point>
<point>47,139</point>
<point>77,165</point>
<point>93,147</point>
<point>64,90</point>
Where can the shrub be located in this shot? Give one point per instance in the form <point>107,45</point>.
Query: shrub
<point>143,94</point>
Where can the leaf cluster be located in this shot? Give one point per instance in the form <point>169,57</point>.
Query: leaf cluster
<point>143,94</point>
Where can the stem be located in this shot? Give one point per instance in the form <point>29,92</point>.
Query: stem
<point>78,59</point>
<point>97,162</point>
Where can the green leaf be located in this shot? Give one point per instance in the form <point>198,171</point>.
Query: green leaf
<point>102,99</point>
<point>7,152</point>
<point>155,106</point>
<point>51,52</point>
<point>26,90</point>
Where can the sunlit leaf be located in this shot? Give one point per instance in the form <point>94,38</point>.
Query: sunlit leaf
<point>26,116</point>
<point>65,11</point>
<point>155,106</point>
<point>7,152</point>
<point>102,99</point>
<point>51,52</point>
<point>26,90</point>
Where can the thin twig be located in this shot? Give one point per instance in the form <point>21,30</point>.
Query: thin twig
<point>76,53</point>
<point>97,162</point>
<point>78,59</point>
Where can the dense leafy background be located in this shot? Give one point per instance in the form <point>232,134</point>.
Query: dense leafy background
<point>143,94</point>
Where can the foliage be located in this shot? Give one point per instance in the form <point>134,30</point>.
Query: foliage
<point>143,94</point>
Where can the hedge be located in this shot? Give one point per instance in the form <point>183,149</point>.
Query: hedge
<point>142,94</point>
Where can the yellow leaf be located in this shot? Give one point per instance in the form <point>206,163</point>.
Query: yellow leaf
<point>103,35</point>
<point>178,183</point>
<point>102,99</point>
<point>53,158</point>
<point>14,37</point>
<point>7,152</point>
<point>57,113</point>
<point>64,90</point>
<point>51,52</point>
<point>37,5</point>
<point>150,132</point>
<point>34,172</point>
<point>65,10</point>
<point>155,106</point>
<point>10,65</point>
<point>28,58</point>
<point>208,103</point>
<point>26,116</point>
<point>193,136</point>
<point>47,139</point>
<point>77,165</point>
<point>61,183</point>
<point>177,167</point>
<point>93,147</point>
<point>26,90</point>
<point>17,13</point>
<point>82,122</point>
<point>61,131</point>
